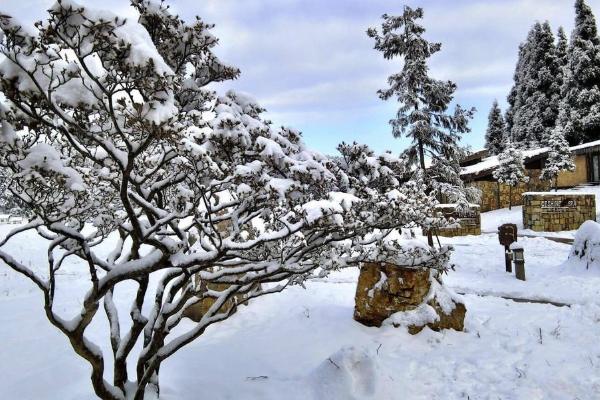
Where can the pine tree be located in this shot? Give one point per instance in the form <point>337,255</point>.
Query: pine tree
<point>579,117</point>
<point>562,48</point>
<point>559,157</point>
<point>515,96</point>
<point>511,170</point>
<point>423,115</point>
<point>495,136</point>
<point>534,116</point>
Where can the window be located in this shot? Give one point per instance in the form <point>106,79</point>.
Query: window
<point>595,172</point>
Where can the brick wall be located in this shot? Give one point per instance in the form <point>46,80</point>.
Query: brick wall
<point>554,212</point>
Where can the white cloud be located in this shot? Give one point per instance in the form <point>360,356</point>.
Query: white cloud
<point>311,61</point>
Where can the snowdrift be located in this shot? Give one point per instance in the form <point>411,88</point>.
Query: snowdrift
<point>586,247</point>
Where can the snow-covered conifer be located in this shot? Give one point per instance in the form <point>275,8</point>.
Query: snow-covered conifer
<point>515,96</point>
<point>580,105</point>
<point>423,116</point>
<point>534,114</point>
<point>496,136</point>
<point>113,141</point>
<point>559,156</point>
<point>562,49</point>
<point>511,170</point>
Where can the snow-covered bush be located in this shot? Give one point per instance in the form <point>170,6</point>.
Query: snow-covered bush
<point>586,246</point>
<point>111,138</point>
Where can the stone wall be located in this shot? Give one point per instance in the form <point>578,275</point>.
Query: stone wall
<point>495,195</point>
<point>469,221</point>
<point>554,212</point>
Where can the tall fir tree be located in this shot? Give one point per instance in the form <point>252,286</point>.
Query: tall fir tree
<point>537,109</point>
<point>559,157</point>
<point>423,115</point>
<point>562,49</point>
<point>515,96</point>
<point>579,116</point>
<point>511,170</point>
<point>495,137</point>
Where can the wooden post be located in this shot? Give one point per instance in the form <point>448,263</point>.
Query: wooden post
<point>507,259</point>
<point>520,270</point>
<point>519,260</point>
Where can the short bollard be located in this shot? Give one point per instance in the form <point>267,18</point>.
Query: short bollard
<point>519,260</point>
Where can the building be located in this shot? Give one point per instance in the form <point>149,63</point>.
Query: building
<point>479,166</point>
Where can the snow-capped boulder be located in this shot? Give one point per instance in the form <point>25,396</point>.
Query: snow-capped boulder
<point>586,246</point>
<point>406,296</point>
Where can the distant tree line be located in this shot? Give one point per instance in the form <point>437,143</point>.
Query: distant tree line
<point>555,98</point>
<point>556,90</point>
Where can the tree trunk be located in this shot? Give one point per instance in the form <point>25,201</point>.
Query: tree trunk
<point>510,197</point>
<point>422,163</point>
<point>149,384</point>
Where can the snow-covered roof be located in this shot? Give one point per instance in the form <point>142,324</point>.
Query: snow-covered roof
<point>490,163</point>
<point>585,146</point>
<point>567,193</point>
<point>454,205</point>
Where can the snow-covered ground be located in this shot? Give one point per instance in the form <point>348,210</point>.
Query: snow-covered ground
<point>304,344</point>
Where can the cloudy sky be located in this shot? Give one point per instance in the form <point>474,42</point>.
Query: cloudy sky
<point>310,63</point>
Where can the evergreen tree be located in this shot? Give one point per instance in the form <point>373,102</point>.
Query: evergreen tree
<point>559,157</point>
<point>511,170</point>
<point>423,115</point>
<point>562,48</point>
<point>495,136</point>
<point>516,96</point>
<point>580,105</point>
<point>537,108</point>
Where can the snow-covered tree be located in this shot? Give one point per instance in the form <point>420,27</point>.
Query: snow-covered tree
<point>559,157</point>
<point>138,173</point>
<point>562,58</point>
<point>515,96</point>
<point>534,99</point>
<point>496,136</point>
<point>8,202</point>
<point>579,117</point>
<point>423,116</point>
<point>511,170</point>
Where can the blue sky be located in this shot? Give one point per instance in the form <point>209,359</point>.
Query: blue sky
<point>310,63</point>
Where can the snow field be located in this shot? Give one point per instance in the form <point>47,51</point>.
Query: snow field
<point>304,344</point>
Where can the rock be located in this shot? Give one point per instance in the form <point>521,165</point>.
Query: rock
<point>412,297</point>
<point>196,311</point>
